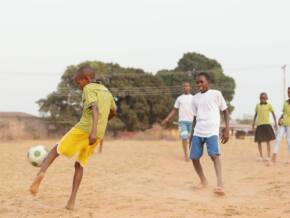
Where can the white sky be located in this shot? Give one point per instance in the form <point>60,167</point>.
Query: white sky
<point>38,39</point>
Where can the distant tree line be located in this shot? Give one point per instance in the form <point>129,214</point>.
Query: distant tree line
<point>143,98</point>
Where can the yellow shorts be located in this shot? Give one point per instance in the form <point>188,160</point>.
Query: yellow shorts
<point>75,142</point>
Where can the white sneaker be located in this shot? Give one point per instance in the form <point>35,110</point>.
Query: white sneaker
<point>260,159</point>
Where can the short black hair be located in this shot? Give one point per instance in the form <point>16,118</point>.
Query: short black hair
<point>289,87</point>
<point>263,93</point>
<point>206,75</point>
<point>85,71</point>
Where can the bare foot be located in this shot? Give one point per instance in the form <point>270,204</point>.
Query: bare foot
<point>200,186</point>
<point>219,191</point>
<point>35,184</point>
<point>270,163</point>
<point>70,205</point>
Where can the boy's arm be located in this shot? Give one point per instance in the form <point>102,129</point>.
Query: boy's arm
<point>254,121</point>
<point>112,114</point>
<point>113,109</point>
<point>275,120</point>
<point>169,116</point>
<point>95,116</point>
<point>226,131</point>
<point>192,130</point>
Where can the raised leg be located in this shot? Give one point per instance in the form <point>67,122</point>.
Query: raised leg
<point>34,188</point>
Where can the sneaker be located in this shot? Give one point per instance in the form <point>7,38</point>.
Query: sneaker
<point>260,159</point>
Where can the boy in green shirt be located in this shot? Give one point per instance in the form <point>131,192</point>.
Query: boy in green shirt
<point>81,140</point>
<point>284,129</point>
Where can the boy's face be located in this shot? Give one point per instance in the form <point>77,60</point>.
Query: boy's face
<point>81,82</point>
<point>202,83</point>
<point>263,98</point>
<point>186,88</point>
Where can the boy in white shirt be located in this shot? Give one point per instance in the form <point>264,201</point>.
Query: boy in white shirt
<point>183,105</point>
<point>207,105</point>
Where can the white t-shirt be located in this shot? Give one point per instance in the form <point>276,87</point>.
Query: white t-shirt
<point>206,108</point>
<point>184,105</point>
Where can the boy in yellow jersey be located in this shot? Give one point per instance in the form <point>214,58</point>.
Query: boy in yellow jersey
<point>284,129</point>
<point>264,131</point>
<point>81,140</point>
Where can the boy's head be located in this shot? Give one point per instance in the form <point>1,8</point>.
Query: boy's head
<point>202,81</point>
<point>186,87</point>
<point>263,97</point>
<point>84,76</point>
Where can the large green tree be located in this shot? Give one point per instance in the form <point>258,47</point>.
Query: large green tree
<point>191,64</point>
<point>143,98</point>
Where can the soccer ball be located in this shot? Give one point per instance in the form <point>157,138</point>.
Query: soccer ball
<point>36,155</point>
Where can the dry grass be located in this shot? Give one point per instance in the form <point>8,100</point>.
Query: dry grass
<point>145,179</point>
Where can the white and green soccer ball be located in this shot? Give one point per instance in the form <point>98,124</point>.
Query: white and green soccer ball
<point>36,155</point>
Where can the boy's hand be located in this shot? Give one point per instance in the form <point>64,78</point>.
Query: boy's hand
<point>253,126</point>
<point>225,136</point>
<point>280,122</point>
<point>92,139</point>
<point>111,114</point>
<point>165,121</point>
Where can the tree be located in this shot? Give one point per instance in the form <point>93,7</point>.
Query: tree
<point>191,64</point>
<point>144,99</point>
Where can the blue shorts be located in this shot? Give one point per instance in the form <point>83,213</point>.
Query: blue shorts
<point>197,144</point>
<point>185,128</point>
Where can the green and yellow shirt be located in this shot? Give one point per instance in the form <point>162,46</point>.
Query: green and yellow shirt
<point>286,114</point>
<point>263,113</point>
<point>99,95</point>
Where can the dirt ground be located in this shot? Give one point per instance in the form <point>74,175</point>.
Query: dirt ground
<point>146,179</point>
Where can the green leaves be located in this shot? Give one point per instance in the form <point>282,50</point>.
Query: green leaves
<point>145,98</point>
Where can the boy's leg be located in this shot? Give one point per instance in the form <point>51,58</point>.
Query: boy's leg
<point>183,131</point>
<point>213,149</point>
<point>196,151</point>
<point>276,146</point>
<point>268,150</point>
<point>218,170</point>
<point>40,175</point>
<point>198,169</point>
<point>78,175</point>
<point>288,143</point>
<point>260,150</point>
<point>185,146</point>
<point>101,147</point>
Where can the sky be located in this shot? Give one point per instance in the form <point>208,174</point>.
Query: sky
<point>39,39</point>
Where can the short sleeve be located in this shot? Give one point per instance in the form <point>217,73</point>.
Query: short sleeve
<point>284,108</point>
<point>177,103</point>
<point>194,107</point>
<point>221,102</point>
<point>90,96</point>
<point>270,108</point>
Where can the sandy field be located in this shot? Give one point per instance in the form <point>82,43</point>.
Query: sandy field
<point>146,179</point>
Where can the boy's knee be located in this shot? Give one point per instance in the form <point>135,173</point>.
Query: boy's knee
<point>77,165</point>
<point>214,157</point>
